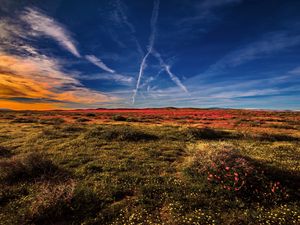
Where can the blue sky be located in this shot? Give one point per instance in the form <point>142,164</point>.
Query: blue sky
<point>150,53</point>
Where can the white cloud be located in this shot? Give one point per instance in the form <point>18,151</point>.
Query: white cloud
<point>248,93</point>
<point>108,76</point>
<point>98,62</point>
<point>41,24</point>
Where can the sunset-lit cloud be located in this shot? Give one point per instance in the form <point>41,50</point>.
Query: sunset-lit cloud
<point>41,78</point>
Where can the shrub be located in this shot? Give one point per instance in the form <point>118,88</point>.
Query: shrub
<point>118,118</point>
<point>24,120</point>
<point>52,121</point>
<point>128,134</point>
<point>27,167</point>
<point>51,200</point>
<point>205,133</point>
<point>52,133</point>
<point>60,202</point>
<point>91,114</point>
<point>82,120</point>
<point>4,152</point>
<point>227,170</point>
<point>277,137</point>
<point>72,129</point>
<point>8,116</point>
<point>120,133</point>
<point>132,119</point>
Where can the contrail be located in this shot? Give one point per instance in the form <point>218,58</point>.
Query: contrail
<point>130,27</point>
<point>167,68</point>
<point>150,47</point>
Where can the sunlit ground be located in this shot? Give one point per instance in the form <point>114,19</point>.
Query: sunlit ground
<point>167,166</point>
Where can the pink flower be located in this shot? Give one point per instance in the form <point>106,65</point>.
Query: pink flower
<point>236,174</point>
<point>227,168</point>
<point>236,178</point>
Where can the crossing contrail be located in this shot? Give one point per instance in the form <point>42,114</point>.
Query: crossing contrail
<point>149,49</point>
<point>167,68</point>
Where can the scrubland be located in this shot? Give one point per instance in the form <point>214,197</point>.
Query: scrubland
<point>152,166</point>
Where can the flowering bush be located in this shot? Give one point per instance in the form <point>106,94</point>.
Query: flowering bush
<point>228,170</point>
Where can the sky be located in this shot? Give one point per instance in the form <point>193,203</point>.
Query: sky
<point>63,54</point>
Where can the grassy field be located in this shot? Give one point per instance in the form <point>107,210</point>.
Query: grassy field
<point>151,166</point>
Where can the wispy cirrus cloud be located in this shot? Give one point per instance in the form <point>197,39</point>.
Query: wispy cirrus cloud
<point>269,44</point>
<point>98,62</point>
<point>42,24</point>
<point>295,71</point>
<point>205,10</point>
<point>108,76</point>
<point>230,92</point>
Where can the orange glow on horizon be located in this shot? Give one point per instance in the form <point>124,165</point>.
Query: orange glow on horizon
<point>5,104</point>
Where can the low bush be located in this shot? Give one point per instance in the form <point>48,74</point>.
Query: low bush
<point>27,167</point>
<point>118,118</point>
<point>24,120</point>
<point>52,121</point>
<point>51,201</point>
<point>72,129</point>
<point>227,170</point>
<point>4,152</point>
<point>120,133</point>
<point>91,114</point>
<point>129,134</point>
<point>8,116</point>
<point>205,133</point>
<point>62,202</point>
<point>277,137</point>
<point>133,119</point>
<point>82,120</point>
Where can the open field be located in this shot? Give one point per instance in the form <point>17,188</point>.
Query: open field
<point>150,166</point>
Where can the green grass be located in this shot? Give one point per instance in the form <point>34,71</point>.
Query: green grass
<point>131,173</point>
